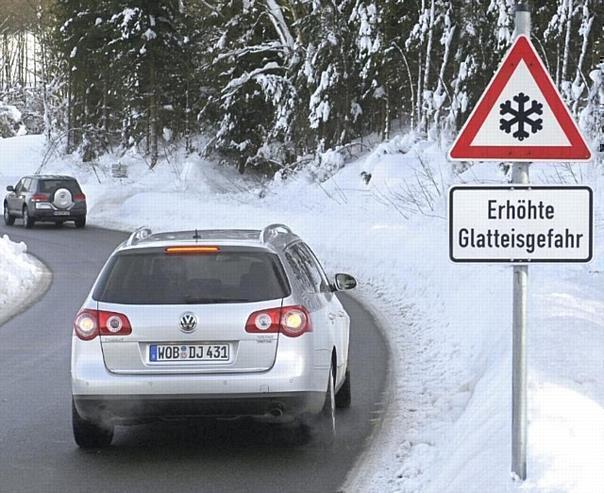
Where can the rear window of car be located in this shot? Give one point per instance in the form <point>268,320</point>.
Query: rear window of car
<point>49,186</point>
<point>152,278</point>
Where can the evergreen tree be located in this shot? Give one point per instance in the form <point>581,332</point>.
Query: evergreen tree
<point>275,83</point>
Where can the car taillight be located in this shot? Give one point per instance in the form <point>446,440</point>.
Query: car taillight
<point>264,321</point>
<point>295,321</point>
<point>90,323</point>
<point>292,321</point>
<point>114,324</point>
<point>79,197</point>
<point>39,197</point>
<point>86,325</point>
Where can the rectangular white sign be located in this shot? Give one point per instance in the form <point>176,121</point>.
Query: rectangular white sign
<point>520,223</point>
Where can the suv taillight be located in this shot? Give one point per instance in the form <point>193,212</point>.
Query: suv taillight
<point>292,321</point>
<point>79,197</point>
<point>39,197</point>
<point>90,323</point>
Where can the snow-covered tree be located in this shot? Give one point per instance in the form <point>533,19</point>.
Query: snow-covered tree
<point>276,83</point>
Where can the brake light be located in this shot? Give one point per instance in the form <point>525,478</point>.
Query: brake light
<point>39,197</point>
<point>191,250</point>
<point>79,197</point>
<point>292,321</point>
<point>295,321</point>
<point>90,323</point>
<point>86,325</point>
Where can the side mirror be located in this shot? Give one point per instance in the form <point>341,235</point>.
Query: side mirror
<point>345,282</point>
<point>10,188</point>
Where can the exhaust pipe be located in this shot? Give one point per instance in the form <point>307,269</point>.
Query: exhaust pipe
<point>276,411</point>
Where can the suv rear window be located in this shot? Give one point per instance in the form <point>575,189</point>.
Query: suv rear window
<point>152,278</point>
<point>49,186</point>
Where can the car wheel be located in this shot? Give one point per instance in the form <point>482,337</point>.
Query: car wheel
<point>344,397</point>
<point>28,222</point>
<point>323,429</point>
<point>88,434</point>
<point>80,222</point>
<point>8,219</point>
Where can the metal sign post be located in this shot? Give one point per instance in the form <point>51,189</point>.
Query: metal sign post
<point>520,175</point>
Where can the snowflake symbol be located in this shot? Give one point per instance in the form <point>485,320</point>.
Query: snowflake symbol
<point>520,116</point>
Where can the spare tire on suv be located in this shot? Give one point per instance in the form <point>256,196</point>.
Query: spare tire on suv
<point>61,198</point>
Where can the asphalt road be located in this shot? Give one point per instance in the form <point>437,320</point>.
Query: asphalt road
<point>37,452</point>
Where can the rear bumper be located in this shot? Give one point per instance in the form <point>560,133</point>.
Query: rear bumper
<point>297,380</point>
<point>141,408</point>
<point>49,214</point>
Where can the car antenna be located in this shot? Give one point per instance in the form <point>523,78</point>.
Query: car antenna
<point>196,235</point>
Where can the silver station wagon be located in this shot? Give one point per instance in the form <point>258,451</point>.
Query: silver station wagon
<point>221,324</point>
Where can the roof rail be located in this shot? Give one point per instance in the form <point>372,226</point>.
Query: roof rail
<point>273,230</point>
<point>138,235</point>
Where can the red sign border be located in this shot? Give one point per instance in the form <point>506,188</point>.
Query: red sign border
<point>521,50</point>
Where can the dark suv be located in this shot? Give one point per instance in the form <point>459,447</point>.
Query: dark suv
<point>49,198</point>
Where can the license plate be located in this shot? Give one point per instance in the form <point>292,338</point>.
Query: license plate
<point>61,213</point>
<point>188,352</point>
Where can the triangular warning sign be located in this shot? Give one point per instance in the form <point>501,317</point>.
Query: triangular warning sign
<point>520,116</point>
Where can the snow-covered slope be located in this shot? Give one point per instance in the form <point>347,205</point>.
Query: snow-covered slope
<point>382,218</point>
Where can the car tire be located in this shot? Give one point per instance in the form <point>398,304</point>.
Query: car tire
<point>344,396</point>
<point>28,222</point>
<point>89,435</point>
<point>323,429</point>
<point>9,220</point>
<point>80,222</point>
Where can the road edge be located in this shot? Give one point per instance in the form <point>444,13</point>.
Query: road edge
<point>365,464</point>
<point>39,289</point>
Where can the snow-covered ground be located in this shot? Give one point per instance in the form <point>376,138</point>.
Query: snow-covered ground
<point>447,422</point>
<point>21,277</point>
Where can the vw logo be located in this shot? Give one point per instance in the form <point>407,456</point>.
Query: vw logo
<point>188,322</point>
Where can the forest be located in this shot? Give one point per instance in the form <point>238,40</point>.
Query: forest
<point>273,84</point>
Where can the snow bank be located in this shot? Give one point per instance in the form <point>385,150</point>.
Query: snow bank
<point>452,418</point>
<point>383,219</point>
<point>20,274</point>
